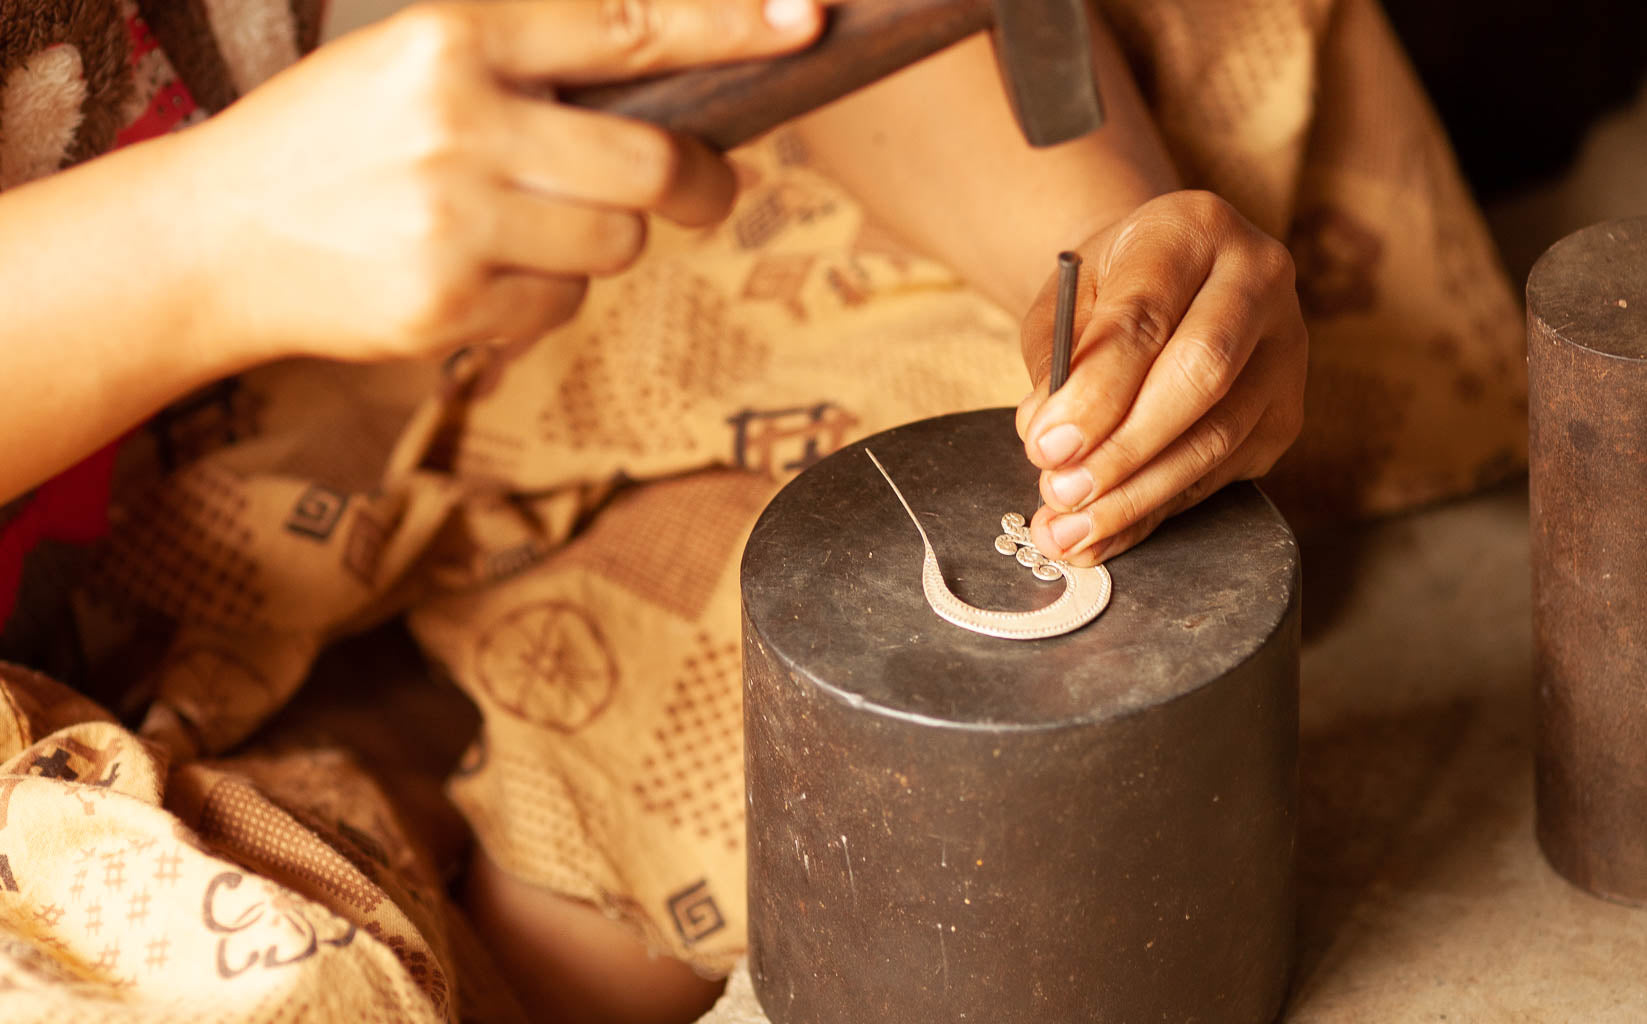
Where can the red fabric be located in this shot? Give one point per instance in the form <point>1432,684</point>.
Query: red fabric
<point>171,104</point>
<point>142,39</point>
<point>74,507</point>
<point>169,107</point>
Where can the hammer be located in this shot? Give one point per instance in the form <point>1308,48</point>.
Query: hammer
<point>1043,49</point>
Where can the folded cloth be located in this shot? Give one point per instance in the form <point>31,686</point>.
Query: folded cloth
<point>130,891</point>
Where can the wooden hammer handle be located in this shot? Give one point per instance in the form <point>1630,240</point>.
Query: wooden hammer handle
<point>861,42</point>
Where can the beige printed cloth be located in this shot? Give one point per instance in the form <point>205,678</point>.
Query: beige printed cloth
<point>279,891</point>
<point>560,527</point>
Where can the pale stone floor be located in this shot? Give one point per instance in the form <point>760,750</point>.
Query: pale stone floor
<point>1422,895</point>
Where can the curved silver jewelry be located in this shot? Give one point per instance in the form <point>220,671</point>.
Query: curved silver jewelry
<point>1086,591</point>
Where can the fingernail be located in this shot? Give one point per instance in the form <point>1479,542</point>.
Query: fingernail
<point>1071,486</point>
<point>788,15</point>
<point>1069,531</point>
<point>1059,443</point>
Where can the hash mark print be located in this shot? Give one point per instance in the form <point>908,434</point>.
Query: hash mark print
<point>694,779</point>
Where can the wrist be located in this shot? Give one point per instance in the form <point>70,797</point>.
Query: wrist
<point>110,317</point>
<point>192,225</point>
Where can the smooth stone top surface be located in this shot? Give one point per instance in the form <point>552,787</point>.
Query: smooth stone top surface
<point>832,587</point>
<point>1590,288</point>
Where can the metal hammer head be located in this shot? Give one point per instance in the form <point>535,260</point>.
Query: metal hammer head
<point>1044,48</point>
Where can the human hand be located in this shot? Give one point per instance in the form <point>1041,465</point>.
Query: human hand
<point>1187,374</point>
<point>396,195</point>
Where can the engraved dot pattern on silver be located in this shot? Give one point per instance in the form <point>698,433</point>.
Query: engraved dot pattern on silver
<point>1086,590</point>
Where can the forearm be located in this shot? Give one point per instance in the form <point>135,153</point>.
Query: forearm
<point>106,311</point>
<point>934,153</point>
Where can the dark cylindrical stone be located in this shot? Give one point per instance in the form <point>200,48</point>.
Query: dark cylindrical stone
<point>1587,374</point>
<point>945,826</point>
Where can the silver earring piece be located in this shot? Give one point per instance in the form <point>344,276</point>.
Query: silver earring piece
<point>1086,590</point>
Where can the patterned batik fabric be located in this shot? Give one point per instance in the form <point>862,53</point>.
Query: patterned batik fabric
<point>279,889</point>
<point>561,523</point>
<point>1307,116</point>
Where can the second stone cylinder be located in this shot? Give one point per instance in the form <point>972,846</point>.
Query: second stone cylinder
<point>1587,370</point>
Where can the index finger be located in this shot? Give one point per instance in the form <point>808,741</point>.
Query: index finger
<point>582,41</point>
<point>1151,275</point>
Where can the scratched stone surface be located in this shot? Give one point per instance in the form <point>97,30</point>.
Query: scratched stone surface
<point>832,576</point>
